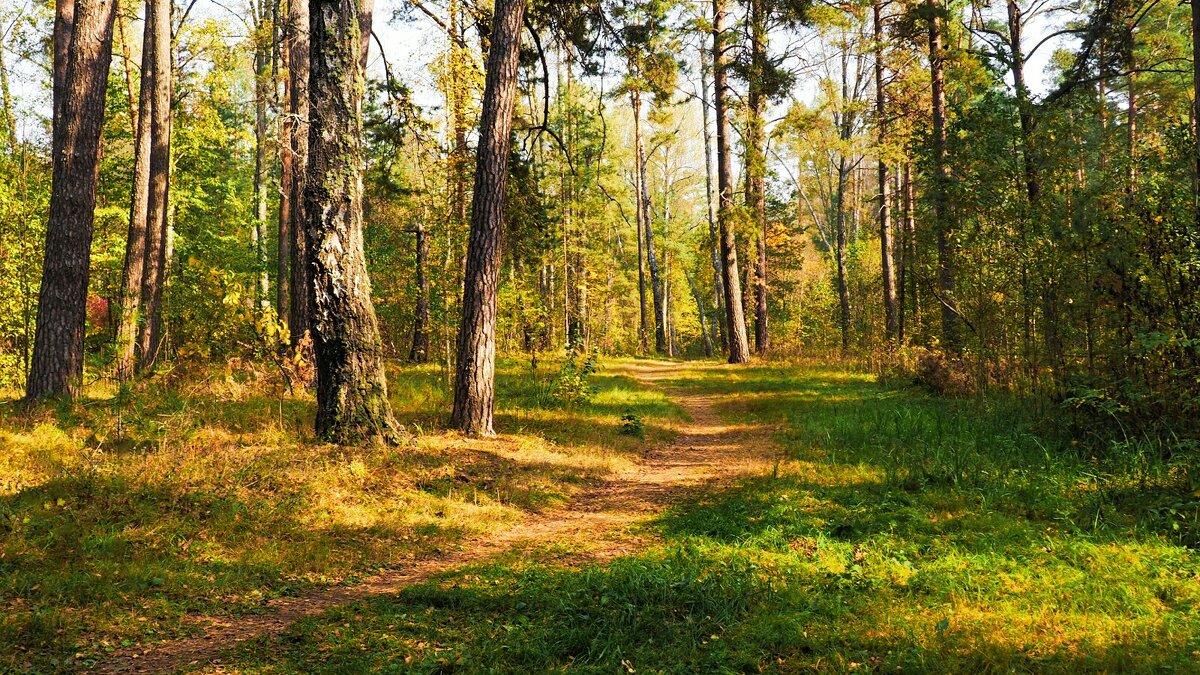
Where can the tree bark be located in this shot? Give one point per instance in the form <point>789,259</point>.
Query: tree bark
<point>83,33</point>
<point>300,302</point>
<point>951,340</point>
<point>352,395</point>
<point>287,163</point>
<point>155,265</point>
<point>475,373</point>
<point>843,286</point>
<point>756,167</point>
<point>718,284</point>
<point>735,318</point>
<point>890,309</point>
<point>135,243</point>
<point>420,338</point>
<point>661,344</point>
<point>262,89</point>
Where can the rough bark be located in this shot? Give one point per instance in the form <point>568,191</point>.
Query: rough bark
<point>475,373</point>
<point>135,243</point>
<point>420,338</point>
<point>352,398</point>
<point>82,55</point>
<point>951,340</point>
<point>735,318</point>
<point>155,265</point>
<point>300,302</point>
<point>890,310</point>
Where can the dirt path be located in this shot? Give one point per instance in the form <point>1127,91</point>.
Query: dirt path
<point>707,450</point>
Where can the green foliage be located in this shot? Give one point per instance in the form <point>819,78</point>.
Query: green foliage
<point>573,384</point>
<point>632,425</point>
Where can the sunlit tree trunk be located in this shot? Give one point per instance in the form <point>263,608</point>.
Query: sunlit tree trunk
<point>135,243</point>
<point>714,247</point>
<point>82,44</point>
<point>735,318</point>
<point>157,208</point>
<point>474,384</point>
<point>352,394</point>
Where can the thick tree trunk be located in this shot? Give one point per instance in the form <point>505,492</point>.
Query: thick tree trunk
<point>420,338</point>
<point>155,265</point>
<point>735,318</point>
<point>891,312</point>
<point>1195,109</point>
<point>352,395</point>
<point>135,243</point>
<point>475,373</point>
<point>718,284</point>
<point>82,55</point>
<point>756,167</point>
<point>300,301</point>
<point>951,340</point>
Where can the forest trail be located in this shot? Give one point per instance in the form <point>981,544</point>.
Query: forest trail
<point>705,451</point>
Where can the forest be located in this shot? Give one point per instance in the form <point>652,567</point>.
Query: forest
<point>609,336</point>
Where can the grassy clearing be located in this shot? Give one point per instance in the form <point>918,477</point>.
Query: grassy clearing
<point>204,493</point>
<point>902,533</point>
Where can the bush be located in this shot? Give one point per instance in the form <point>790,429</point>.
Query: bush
<point>573,383</point>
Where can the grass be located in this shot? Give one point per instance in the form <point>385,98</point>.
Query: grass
<point>203,492</point>
<point>902,533</point>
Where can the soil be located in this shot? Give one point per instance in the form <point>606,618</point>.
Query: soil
<point>706,452</point>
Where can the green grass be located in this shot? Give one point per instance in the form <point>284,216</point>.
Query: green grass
<point>204,493</point>
<point>902,533</point>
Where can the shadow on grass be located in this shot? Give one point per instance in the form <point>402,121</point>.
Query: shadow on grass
<point>906,533</point>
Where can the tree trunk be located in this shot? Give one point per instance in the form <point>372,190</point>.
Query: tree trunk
<point>475,373</point>
<point>283,259</point>
<point>135,243</point>
<point>262,90</point>
<point>155,265</point>
<point>890,310</point>
<point>300,302</point>
<point>83,34</point>
<point>756,167</point>
<point>420,339</point>
<point>718,284</point>
<point>639,196</point>
<point>951,340</point>
<point>661,345</point>
<point>352,398</point>
<point>843,287</point>
<point>735,318</point>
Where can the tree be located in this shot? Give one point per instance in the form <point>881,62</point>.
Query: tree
<point>475,373</point>
<point>154,268</point>
<point>735,319</point>
<point>83,32</point>
<point>951,340</point>
<point>135,246</point>
<point>352,398</point>
<point>890,307</point>
<point>299,302</point>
